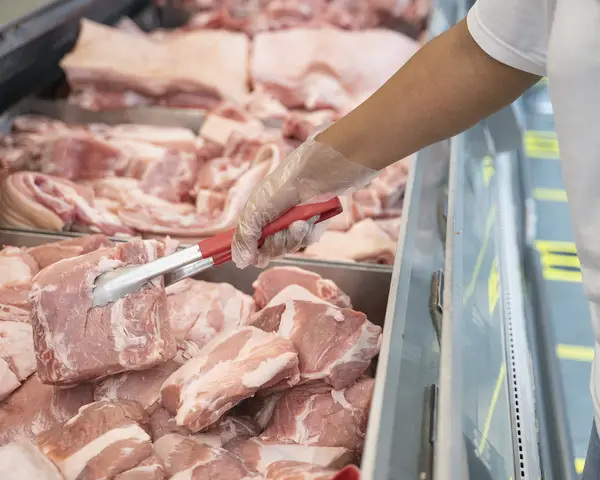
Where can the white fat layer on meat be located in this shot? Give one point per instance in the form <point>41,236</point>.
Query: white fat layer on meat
<point>16,343</point>
<point>83,409</point>
<point>366,341</point>
<point>322,456</point>
<point>121,337</point>
<point>8,380</point>
<point>72,466</point>
<point>339,397</point>
<point>301,433</point>
<point>267,370</point>
<point>109,388</point>
<point>295,292</point>
<point>23,460</point>
<point>208,439</point>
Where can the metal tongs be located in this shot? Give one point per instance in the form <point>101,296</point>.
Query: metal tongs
<point>111,286</point>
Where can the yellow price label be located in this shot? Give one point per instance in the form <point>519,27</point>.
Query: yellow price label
<point>488,170</point>
<point>541,144</point>
<point>550,194</point>
<point>559,261</point>
<point>493,287</point>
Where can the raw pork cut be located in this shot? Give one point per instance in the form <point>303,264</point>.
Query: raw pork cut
<point>311,68</point>
<point>364,242</point>
<point>75,342</point>
<point>260,408</point>
<point>17,359</point>
<point>201,310</point>
<point>311,323</point>
<point>35,408</point>
<point>16,266</point>
<point>171,177</point>
<point>101,441</point>
<point>151,468</point>
<point>35,200</point>
<point>190,459</point>
<point>290,470</point>
<point>258,455</point>
<point>231,367</point>
<point>301,125</point>
<point>232,427</point>
<point>142,386</point>
<point>316,414</point>
<point>160,71</point>
<point>272,281</point>
<point>23,460</point>
<point>173,138</point>
<point>50,253</point>
<point>14,302</point>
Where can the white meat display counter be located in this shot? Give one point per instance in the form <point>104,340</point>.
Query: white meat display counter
<point>463,386</point>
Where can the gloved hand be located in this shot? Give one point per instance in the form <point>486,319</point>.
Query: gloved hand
<point>312,172</point>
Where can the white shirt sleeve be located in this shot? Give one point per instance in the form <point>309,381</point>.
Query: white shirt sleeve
<point>514,32</point>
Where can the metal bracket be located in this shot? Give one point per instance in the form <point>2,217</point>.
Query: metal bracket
<point>429,432</point>
<point>436,302</point>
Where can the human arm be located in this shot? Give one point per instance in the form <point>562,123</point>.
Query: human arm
<point>446,87</point>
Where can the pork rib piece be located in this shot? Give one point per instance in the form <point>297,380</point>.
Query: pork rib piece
<point>201,310</point>
<point>17,359</point>
<point>310,323</point>
<point>50,253</point>
<point>101,441</point>
<point>75,342</point>
<point>16,266</point>
<point>115,61</point>
<point>35,408</point>
<point>258,455</point>
<point>35,200</point>
<point>316,414</point>
<point>23,460</point>
<point>310,68</point>
<point>272,281</point>
<point>290,470</point>
<point>231,367</point>
<point>188,458</point>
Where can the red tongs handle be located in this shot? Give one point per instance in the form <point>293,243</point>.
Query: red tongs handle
<point>219,246</point>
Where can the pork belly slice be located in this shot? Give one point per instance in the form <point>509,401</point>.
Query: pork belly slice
<point>188,458</point>
<point>231,367</point>
<point>16,266</point>
<point>258,455</point>
<point>272,281</point>
<point>35,408</point>
<point>75,341</point>
<point>175,138</point>
<point>316,414</point>
<point>23,460</point>
<point>17,358</point>
<point>311,324</point>
<point>291,470</point>
<point>201,310</point>
<point>50,253</point>
<point>102,440</point>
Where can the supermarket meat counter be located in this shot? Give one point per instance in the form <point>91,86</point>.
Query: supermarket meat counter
<point>464,383</point>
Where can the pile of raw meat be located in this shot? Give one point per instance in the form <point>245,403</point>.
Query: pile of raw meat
<point>195,381</point>
<point>263,95</point>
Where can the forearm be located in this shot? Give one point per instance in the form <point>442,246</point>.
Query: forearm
<point>447,87</point>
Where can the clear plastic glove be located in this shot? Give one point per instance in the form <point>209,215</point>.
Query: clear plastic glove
<point>312,172</point>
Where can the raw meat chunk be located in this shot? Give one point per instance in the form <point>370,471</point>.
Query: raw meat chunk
<point>50,253</point>
<point>17,359</point>
<point>75,342</point>
<point>163,423</point>
<point>35,200</point>
<point>260,408</point>
<point>14,302</point>
<point>101,441</point>
<point>301,125</point>
<point>161,71</point>
<point>290,470</point>
<point>391,226</point>
<point>230,368</point>
<point>258,455</point>
<point>364,242</point>
<point>316,414</point>
<point>311,323</point>
<point>35,408</point>
<point>186,457</point>
<point>311,68</point>
<point>16,266</point>
<point>201,310</point>
<point>272,281</point>
<point>23,460</point>
<point>232,427</point>
<point>142,386</point>
<point>151,468</point>
<point>171,177</point>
